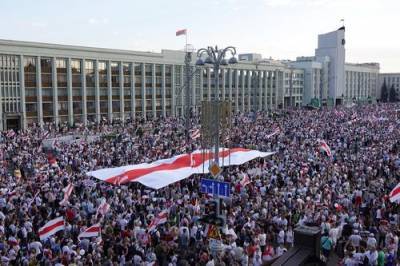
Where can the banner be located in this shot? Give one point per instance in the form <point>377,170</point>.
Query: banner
<point>162,173</point>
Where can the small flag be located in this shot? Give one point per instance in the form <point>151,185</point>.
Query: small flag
<point>67,192</point>
<point>51,227</point>
<point>181,32</point>
<point>195,134</point>
<point>275,132</point>
<point>323,146</point>
<point>103,208</point>
<point>10,133</point>
<point>92,231</point>
<point>161,218</point>
<point>245,180</point>
<point>394,195</point>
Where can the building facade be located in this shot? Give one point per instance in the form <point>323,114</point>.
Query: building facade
<point>331,81</point>
<point>362,81</point>
<point>42,83</point>
<point>332,44</point>
<point>391,79</point>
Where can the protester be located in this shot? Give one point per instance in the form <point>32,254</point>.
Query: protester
<point>341,187</point>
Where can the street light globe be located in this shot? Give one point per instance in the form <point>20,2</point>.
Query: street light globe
<point>209,60</point>
<point>224,62</point>
<point>233,60</point>
<point>199,62</point>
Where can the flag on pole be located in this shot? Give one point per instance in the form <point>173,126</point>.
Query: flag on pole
<point>51,227</point>
<point>394,195</point>
<point>67,192</point>
<point>161,218</point>
<point>323,146</point>
<point>103,208</point>
<point>181,32</point>
<point>275,132</point>
<point>92,231</point>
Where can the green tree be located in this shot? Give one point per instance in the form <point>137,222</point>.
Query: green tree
<point>392,94</point>
<point>384,92</point>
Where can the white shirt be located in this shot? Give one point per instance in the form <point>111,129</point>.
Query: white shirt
<point>262,237</point>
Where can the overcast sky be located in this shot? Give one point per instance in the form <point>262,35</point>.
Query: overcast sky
<point>281,29</point>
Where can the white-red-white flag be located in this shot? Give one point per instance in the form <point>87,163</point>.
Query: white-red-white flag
<point>195,134</point>
<point>10,133</point>
<point>275,132</point>
<point>181,32</point>
<point>161,218</point>
<point>51,227</point>
<point>323,146</point>
<point>394,195</point>
<point>103,208</point>
<point>164,172</point>
<point>92,231</point>
<point>245,180</point>
<point>67,192</point>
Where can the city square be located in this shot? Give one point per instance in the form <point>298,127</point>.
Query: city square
<point>197,156</point>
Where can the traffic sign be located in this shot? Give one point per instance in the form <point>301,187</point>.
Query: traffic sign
<point>215,187</point>
<point>215,170</point>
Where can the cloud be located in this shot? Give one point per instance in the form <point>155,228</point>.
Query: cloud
<point>97,21</point>
<point>310,3</point>
<point>38,24</point>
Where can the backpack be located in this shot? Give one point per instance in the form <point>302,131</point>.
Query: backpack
<point>198,235</point>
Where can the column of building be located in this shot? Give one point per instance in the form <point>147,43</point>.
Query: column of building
<point>144,114</point>
<point>173,91</point>
<point>236,90</point>
<point>153,91</point>
<point>97,91</point>
<point>249,86</point>
<point>69,94</point>
<point>22,95</point>
<point>133,90</point>
<point>55,90</point>
<point>265,90</point>
<point>84,92</point>
<point>183,91</point>
<point>39,91</point>
<point>121,91</point>
<point>163,91</point>
<point>109,92</point>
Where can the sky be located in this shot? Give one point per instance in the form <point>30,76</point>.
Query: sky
<point>281,29</point>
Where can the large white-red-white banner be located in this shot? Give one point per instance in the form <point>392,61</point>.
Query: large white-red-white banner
<point>162,173</point>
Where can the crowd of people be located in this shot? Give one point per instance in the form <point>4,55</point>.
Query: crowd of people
<point>345,194</point>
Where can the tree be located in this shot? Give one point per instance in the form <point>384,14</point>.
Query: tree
<point>384,92</point>
<point>392,94</point>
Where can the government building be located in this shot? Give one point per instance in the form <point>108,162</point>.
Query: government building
<point>42,82</point>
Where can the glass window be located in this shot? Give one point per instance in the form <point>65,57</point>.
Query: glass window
<point>76,66</point>
<point>29,65</point>
<point>45,65</point>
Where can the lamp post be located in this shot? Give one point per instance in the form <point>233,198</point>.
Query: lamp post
<point>216,57</point>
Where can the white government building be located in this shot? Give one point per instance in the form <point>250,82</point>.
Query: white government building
<point>391,79</point>
<point>42,82</point>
